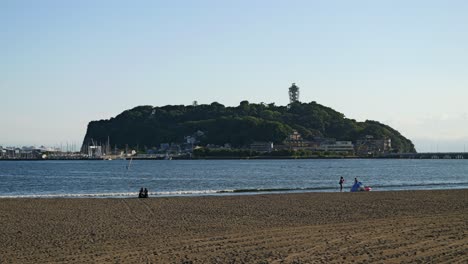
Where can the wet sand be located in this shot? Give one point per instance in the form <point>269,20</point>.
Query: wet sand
<point>373,227</point>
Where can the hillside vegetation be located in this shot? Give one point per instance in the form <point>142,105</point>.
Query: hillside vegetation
<point>148,126</point>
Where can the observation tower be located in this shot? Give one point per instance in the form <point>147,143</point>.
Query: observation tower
<point>293,93</point>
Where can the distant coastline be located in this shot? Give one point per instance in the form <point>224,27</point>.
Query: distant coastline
<point>435,155</point>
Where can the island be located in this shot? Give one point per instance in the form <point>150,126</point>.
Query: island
<point>248,130</point>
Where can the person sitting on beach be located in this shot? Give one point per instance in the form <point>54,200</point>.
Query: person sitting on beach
<point>145,195</point>
<point>140,194</point>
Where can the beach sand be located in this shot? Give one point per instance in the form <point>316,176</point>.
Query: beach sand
<point>372,227</point>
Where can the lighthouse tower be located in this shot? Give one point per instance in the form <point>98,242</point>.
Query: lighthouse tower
<point>293,93</point>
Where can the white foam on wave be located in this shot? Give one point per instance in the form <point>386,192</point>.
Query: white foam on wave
<point>72,195</point>
<point>117,195</point>
<point>190,192</point>
<point>224,192</point>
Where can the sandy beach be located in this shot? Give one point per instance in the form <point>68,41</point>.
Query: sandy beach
<point>373,227</point>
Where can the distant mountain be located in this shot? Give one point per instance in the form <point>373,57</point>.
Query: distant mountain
<point>148,126</point>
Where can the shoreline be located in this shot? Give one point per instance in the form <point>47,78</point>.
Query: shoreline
<point>384,226</point>
<point>406,156</point>
<point>195,194</point>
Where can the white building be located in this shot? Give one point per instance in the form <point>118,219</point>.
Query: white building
<point>262,146</point>
<point>338,146</point>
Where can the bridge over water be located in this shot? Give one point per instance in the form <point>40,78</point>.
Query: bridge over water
<point>427,155</point>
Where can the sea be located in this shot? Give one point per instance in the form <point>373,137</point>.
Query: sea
<point>163,178</point>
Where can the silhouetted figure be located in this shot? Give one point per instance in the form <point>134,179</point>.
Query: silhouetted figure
<point>141,194</point>
<point>341,184</point>
<point>145,195</point>
<point>355,180</point>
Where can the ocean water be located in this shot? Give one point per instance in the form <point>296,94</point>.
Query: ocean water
<point>120,178</point>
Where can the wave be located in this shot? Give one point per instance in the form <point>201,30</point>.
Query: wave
<point>154,194</point>
<point>375,187</point>
<point>72,195</point>
<point>256,190</point>
<point>389,187</point>
<point>112,194</point>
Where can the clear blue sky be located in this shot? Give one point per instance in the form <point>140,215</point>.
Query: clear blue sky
<point>65,63</point>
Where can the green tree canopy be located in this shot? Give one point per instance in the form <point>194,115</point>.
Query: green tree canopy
<point>240,126</point>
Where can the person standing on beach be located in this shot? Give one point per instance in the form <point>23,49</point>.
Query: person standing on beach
<point>341,183</point>
<point>146,193</point>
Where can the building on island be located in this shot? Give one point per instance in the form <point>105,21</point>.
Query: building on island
<point>338,147</point>
<point>95,152</point>
<point>370,146</point>
<point>295,141</point>
<point>262,147</point>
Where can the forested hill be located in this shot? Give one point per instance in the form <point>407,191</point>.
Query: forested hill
<point>148,126</point>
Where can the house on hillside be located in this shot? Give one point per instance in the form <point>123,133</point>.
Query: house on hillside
<point>295,141</point>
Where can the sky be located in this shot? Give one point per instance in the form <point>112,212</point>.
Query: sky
<point>65,63</point>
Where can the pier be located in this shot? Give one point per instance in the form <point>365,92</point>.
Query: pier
<point>426,155</point>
